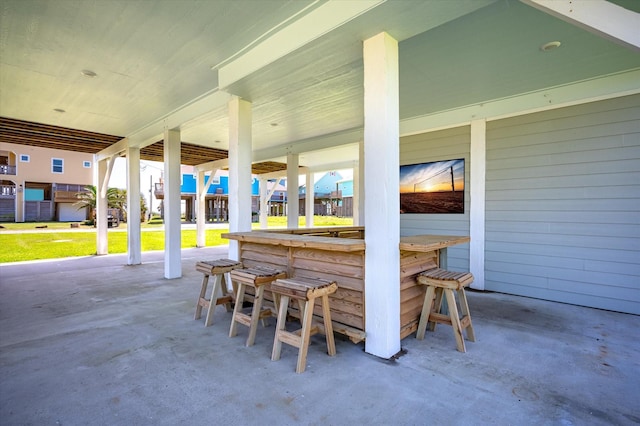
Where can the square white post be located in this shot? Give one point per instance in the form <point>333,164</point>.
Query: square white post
<point>104,174</point>
<point>293,200</point>
<point>239,170</point>
<point>264,201</point>
<point>172,231</point>
<point>477,204</point>
<point>358,188</point>
<point>309,199</point>
<point>382,200</point>
<point>134,246</point>
<point>201,195</point>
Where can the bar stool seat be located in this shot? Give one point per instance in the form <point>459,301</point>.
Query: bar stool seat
<point>438,281</point>
<point>256,277</point>
<point>305,291</point>
<point>218,268</point>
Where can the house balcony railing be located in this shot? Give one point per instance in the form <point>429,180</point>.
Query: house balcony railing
<point>158,191</point>
<point>7,191</point>
<point>7,170</point>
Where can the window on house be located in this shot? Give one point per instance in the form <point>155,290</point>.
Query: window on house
<point>57,165</point>
<point>24,158</point>
<point>86,164</point>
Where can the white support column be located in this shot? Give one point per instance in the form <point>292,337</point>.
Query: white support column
<point>172,225</point>
<point>477,202</point>
<point>381,201</point>
<point>264,201</point>
<point>309,199</point>
<point>240,152</point>
<point>19,208</point>
<point>201,198</point>
<point>293,198</point>
<point>358,188</point>
<point>134,245</point>
<point>104,174</point>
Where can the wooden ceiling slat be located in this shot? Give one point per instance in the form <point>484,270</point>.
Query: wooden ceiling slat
<point>55,137</point>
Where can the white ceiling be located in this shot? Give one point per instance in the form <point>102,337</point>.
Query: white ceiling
<point>157,59</point>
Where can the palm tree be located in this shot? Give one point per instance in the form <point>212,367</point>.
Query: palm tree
<point>116,199</point>
<point>87,199</point>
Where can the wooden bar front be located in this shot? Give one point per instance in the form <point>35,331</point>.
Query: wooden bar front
<point>337,253</point>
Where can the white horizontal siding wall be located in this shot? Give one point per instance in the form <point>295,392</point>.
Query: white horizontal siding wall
<point>563,205</point>
<point>438,146</point>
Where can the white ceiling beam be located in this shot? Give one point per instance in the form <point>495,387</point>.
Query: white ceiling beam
<point>113,149</point>
<point>289,36</point>
<point>212,165</point>
<point>154,132</point>
<point>597,16</point>
<point>308,145</point>
<point>612,86</point>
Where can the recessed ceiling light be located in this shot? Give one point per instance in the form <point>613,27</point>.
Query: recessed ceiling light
<point>60,110</point>
<point>550,46</point>
<point>88,73</point>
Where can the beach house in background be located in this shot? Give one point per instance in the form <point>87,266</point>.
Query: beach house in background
<point>333,196</point>
<point>40,184</point>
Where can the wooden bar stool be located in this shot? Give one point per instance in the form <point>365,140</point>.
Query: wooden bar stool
<point>438,281</point>
<point>218,268</point>
<point>256,277</point>
<point>305,291</point>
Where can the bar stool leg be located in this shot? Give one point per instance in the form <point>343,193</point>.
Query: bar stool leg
<point>464,309</point>
<point>426,311</point>
<point>226,278</point>
<point>328,327</point>
<point>255,315</point>
<point>280,326</point>
<point>203,291</point>
<point>212,302</point>
<point>437,307</point>
<point>455,319</point>
<point>236,309</point>
<point>305,336</point>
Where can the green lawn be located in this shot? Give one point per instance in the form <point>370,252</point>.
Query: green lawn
<point>34,244</point>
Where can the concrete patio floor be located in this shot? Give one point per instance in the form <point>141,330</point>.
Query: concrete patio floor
<point>92,341</point>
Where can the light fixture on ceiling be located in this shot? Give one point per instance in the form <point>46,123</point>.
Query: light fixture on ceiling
<point>88,73</point>
<point>552,45</point>
<point>274,124</point>
<point>60,110</point>
<point>216,141</point>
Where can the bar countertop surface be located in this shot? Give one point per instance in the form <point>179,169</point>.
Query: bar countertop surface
<point>417,243</point>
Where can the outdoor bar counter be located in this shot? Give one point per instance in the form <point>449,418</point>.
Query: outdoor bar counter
<point>337,253</point>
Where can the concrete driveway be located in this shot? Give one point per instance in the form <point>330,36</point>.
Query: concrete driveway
<point>93,341</point>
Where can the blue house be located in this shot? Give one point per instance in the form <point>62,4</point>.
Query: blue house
<point>333,195</point>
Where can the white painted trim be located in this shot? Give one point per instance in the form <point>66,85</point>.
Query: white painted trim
<point>600,17</point>
<point>477,181</point>
<point>593,90</point>
<point>292,36</point>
